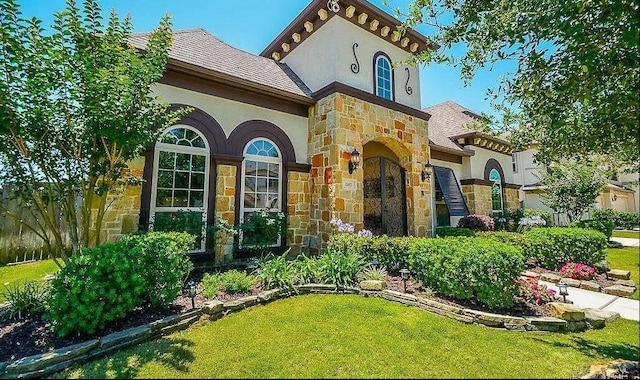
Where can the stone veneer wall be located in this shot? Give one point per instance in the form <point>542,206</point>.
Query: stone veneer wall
<point>298,211</point>
<point>123,214</point>
<point>226,200</point>
<point>478,198</point>
<point>512,201</point>
<point>341,122</point>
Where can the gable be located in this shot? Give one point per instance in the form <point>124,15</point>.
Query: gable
<point>358,12</point>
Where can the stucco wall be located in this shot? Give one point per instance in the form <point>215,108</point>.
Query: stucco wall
<point>327,55</point>
<point>478,161</point>
<point>229,114</point>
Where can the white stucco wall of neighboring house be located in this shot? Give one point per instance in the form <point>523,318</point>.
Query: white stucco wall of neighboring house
<point>632,181</point>
<point>327,55</point>
<point>478,161</point>
<point>457,168</point>
<point>527,169</point>
<point>229,114</point>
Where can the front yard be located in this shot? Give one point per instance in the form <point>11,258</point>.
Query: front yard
<point>625,258</point>
<point>345,336</point>
<point>15,274</point>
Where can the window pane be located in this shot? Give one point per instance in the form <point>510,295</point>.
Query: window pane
<point>197,181</point>
<point>189,134</point>
<point>163,198</point>
<point>261,200</point>
<point>263,167</point>
<point>166,160</point>
<point>196,198</point>
<point>165,179</point>
<point>274,170</point>
<point>249,184</point>
<point>182,180</point>
<point>183,161</point>
<point>180,198</point>
<point>197,163</point>
<point>273,186</point>
<point>250,167</point>
<point>249,199</point>
<point>261,184</point>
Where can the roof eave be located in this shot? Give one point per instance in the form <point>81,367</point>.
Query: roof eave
<point>233,81</point>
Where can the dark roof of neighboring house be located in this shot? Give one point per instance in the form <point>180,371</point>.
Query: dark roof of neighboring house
<point>196,47</point>
<point>447,120</point>
<point>447,129</point>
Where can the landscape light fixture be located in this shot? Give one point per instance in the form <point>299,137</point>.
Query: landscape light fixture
<point>405,276</point>
<point>562,288</point>
<point>426,172</point>
<point>354,162</point>
<point>192,289</point>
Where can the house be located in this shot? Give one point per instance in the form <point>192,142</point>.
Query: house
<point>620,192</point>
<point>326,122</point>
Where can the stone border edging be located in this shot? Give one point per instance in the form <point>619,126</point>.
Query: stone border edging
<point>40,365</point>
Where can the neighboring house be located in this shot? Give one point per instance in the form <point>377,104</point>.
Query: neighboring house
<point>278,131</point>
<point>480,163</point>
<point>620,193</point>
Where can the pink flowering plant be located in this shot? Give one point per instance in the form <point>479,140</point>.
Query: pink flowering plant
<point>533,292</point>
<point>578,271</point>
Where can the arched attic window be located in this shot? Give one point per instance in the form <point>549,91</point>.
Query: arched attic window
<point>383,76</point>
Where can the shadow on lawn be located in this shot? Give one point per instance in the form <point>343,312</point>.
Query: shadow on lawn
<point>170,353</point>
<point>597,349</point>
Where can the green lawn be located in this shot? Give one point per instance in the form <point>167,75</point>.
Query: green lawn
<point>25,272</point>
<point>348,336</point>
<point>627,234</point>
<point>625,258</point>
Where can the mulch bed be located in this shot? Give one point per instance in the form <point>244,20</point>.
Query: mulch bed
<point>32,335</point>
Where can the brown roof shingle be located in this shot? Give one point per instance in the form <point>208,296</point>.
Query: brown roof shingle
<point>447,120</point>
<point>199,48</point>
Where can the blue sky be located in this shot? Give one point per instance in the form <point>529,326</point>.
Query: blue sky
<point>251,25</point>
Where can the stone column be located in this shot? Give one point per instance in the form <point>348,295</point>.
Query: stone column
<point>226,202</point>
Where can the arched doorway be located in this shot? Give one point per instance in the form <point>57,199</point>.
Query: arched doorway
<point>385,205</point>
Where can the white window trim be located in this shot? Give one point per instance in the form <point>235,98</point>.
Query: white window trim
<point>377,75</point>
<point>160,146</point>
<point>267,159</point>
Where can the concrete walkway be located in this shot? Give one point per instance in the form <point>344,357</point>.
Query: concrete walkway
<point>627,242</point>
<point>626,307</point>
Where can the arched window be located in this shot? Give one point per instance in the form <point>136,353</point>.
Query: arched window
<point>180,178</point>
<point>383,76</point>
<point>261,185</point>
<point>496,191</point>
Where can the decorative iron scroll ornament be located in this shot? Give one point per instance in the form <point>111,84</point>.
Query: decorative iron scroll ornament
<point>355,67</point>
<point>333,6</point>
<point>408,88</point>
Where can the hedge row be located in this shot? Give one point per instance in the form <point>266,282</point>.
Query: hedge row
<point>626,220</point>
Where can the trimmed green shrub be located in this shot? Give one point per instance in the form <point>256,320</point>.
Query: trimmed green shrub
<point>164,263</point>
<point>341,268</point>
<point>603,225</point>
<point>466,268</point>
<point>477,222</point>
<point>627,220</point>
<point>105,283</point>
<point>232,282</point>
<point>513,238</point>
<point>392,252</point>
<point>555,246</point>
<point>97,286</point>
<point>453,231</point>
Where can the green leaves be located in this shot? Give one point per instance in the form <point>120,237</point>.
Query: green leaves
<point>576,83</point>
<point>75,106</point>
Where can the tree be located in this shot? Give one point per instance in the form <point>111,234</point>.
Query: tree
<point>577,78</point>
<point>572,187</point>
<point>75,106</point>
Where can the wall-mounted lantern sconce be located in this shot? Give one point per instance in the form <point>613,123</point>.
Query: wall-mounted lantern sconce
<point>354,162</point>
<point>426,172</point>
<point>614,198</point>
